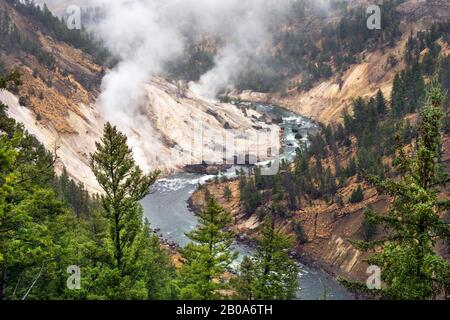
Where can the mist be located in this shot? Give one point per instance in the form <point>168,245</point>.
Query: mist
<point>148,35</point>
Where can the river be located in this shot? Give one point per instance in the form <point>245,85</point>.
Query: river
<point>167,206</point>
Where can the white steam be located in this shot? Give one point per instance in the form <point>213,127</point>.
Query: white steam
<point>146,35</point>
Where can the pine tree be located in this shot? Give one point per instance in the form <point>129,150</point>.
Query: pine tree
<point>351,167</point>
<point>275,273</point>
<point>208,256</point>
<point>381,103</point>
<point>398,96</point>
<point>124,185</point>
<point>28,208</point>
<point>243,284</point>
<point>249,195</point>
<point>360,114</point>
<point>411,268</point>
<point>357,195</point>
<point>227,194</point>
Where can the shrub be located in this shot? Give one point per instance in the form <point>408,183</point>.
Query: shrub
<point>357,195</point>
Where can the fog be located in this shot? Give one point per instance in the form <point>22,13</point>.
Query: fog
<point>148,35</point>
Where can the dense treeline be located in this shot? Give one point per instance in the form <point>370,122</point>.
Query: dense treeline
<point>340,43</point>
<point>48,223</point>
<point>352,35</point>
<point>12,40</point>
<point>75,195</point>
<point>295,52</point>
<point>374,129</point>
<point>411,268</point>
<point>58,28</point>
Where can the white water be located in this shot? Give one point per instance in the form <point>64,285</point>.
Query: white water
<point>167,209</point>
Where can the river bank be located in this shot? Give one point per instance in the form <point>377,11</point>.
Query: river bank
<point>168,209</point>
<point>325,245</point>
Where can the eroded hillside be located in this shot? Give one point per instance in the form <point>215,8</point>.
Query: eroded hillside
<point>57,103</point>
<point>374,69</point>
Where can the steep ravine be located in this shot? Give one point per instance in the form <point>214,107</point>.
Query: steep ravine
<point>171,128</point>
<point>169,208</point>
<point>373,70</point>
<point>327,231</point>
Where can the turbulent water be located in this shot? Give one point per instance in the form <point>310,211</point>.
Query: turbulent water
<point>167,207</point>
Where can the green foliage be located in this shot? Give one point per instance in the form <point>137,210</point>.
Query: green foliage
<point>13,40</point>
<point>369,228</point>
<point>75,195</point>
<point>48,223</point>
<point>357,195</point>
<point>227,194</point>
<point>411,269</point>
<point>30,213</point>
<point>381,103</point>
<point>250,196</point>
<point>208,256</point>
<point>408,91</point>
<point>270,274</point>
<point>10,79</point>
<point>243,283</point>
<point>124,185</point>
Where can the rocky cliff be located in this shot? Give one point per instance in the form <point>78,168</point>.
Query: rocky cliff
<point>374,69</point>
<point>58,104</point>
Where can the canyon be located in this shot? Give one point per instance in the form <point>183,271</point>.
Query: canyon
<point>60,107</point>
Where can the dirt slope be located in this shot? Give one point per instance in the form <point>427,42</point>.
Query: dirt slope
<point>58,105</point>
<point>374,70</point>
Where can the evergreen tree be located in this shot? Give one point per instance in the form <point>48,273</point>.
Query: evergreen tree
<point>249,195</point>
<point>124,185</point>
<point>351,167</point>
<point>357,195</point>
<point>27,207</point>
<point>381,103</point>
<point>208,256</point>
<point>291,191</point>
<point>275,273</point>
<point>227,194</point>
<point>37,240</point>
<point>360,115</point>
<point>398,96</point>
<point>411,268</point>
<point>243,284</point>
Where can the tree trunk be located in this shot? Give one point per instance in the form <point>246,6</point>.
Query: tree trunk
<point>118,246</point>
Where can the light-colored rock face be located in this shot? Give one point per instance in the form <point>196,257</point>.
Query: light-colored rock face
<point>72,150</point>
<point>192,130</point>
<point>178,130</point>
<point>327,99</point>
